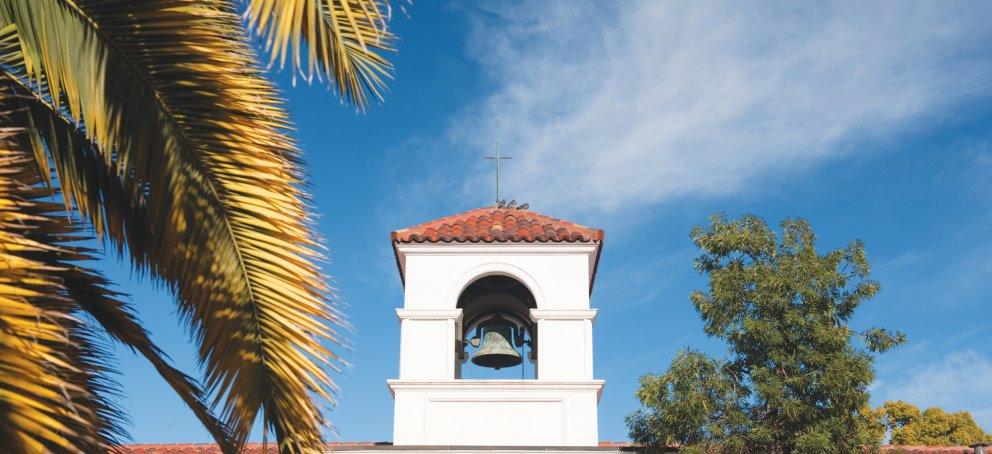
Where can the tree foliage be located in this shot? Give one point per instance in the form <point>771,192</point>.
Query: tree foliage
<point>151,124</point>
<point>905,424</point>
<point>797,375</point>
<point>693,403</point>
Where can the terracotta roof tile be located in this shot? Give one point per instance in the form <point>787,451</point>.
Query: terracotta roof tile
<point>497,225</point>
<point>256,448</point>
<point>615,444</point>
<point>210,448</point>
<point>906,449</point>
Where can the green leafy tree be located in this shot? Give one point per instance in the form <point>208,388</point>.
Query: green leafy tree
<point>693,403</point>
<point>797,375</point>
<point>905,424</point>
<point>871,426</point>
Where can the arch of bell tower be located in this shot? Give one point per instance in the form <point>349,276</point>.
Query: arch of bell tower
<point>495,269</point>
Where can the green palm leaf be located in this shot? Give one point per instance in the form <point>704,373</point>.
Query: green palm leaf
<point>342,40</point>
<point>89,291</point>
<point>54,383</point>
<point>79,164</point>
<point>193,135</point>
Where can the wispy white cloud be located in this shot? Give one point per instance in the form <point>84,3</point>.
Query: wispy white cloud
<point>959,381</point>
<point>646,279</point>
<point>612,106</point>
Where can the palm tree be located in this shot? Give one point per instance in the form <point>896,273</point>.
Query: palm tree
<point>150,125</point>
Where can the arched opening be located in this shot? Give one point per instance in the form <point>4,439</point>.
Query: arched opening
<point>499,341</point>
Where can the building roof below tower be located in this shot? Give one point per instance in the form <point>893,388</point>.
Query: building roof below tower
<point>386,447</point>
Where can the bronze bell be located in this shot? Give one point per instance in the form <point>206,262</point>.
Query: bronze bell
<point>496,351</point>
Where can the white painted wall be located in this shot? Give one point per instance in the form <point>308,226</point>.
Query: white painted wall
<point>427,343</point>
<point>564,343</point>
<point>496,412</point>
<point>432,407</point>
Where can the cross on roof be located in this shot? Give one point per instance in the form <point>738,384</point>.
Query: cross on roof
<point>497,158</point>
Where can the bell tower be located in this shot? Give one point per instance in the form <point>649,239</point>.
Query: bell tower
<point>505,289</point>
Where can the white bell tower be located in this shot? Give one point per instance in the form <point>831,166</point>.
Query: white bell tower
<point>496,267</point>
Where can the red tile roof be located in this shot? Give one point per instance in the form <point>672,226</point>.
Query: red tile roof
<point>256,448</point>
<point>210,448</point>
<point>615,444</point>
<point>927,450</point>
<point>500,225</point>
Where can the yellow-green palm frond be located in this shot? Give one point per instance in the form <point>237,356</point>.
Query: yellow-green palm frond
<point>54,385</point>
<point>168,92</point>
<point>114,209</point>
<point>90,181</point>
<point>342,40</point>
<point>89,291</point>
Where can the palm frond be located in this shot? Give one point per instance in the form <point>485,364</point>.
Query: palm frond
<point>88,179</point>
<point>342,40</point>
<point>78,162</point>
<point>168,92</point>
<point>55,386</point>
<point>89,290</point>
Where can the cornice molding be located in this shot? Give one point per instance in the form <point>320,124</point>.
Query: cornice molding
<point>497,248</point>
<point>429,314</point>
<point>552,314</point>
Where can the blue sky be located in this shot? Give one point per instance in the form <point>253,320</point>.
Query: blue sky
<point>872,121</point>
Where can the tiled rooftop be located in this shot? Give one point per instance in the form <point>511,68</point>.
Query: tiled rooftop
<point>927,450</point>
<point>210,448</point>
<point>490,224</point>
<point>256,448</point>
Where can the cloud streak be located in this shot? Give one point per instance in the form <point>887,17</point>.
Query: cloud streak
<point>957,382</point>
<point>627,104</point>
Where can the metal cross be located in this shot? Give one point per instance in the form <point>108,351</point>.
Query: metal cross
<point>497,158</point>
